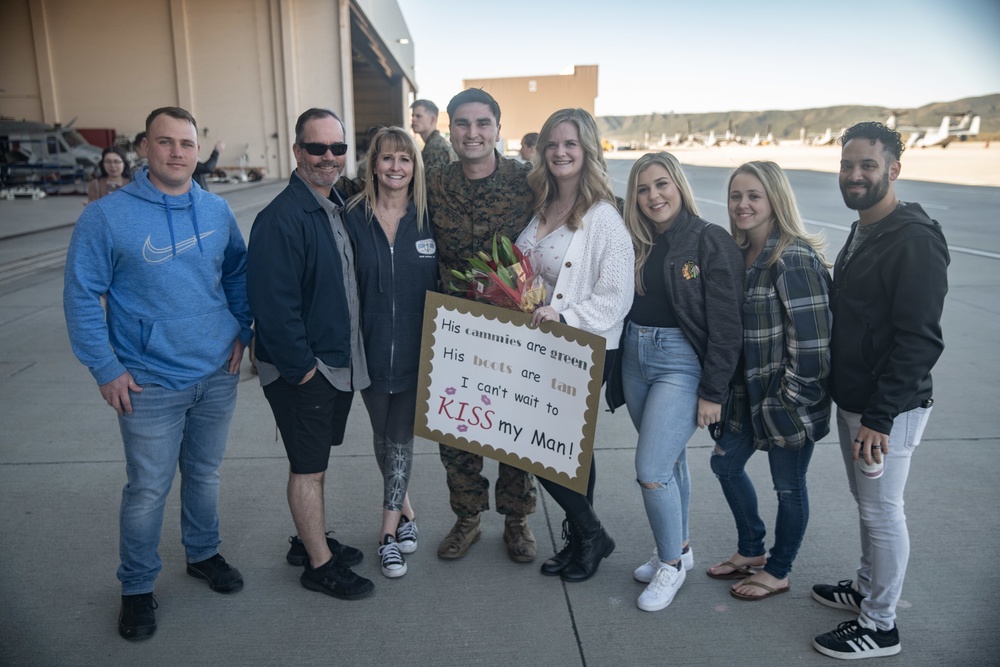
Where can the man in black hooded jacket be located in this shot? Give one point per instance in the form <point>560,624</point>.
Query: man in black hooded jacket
<point>890,281</point>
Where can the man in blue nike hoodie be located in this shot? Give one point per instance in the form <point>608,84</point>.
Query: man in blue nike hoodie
<point>166,353</point>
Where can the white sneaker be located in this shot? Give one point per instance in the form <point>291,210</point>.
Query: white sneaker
<point>393,563</point>
<point>662,589</point>
<point>406,535</point>
<point>687,558</point>
<point>645,572</point>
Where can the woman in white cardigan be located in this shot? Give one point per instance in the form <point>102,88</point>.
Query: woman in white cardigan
<point>583,251</point>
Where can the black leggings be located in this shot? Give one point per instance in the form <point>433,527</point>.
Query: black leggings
<point>392,435</point>
<point>572,502</point>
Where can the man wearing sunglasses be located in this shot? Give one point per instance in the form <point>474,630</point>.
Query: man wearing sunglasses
<point>304,295</point>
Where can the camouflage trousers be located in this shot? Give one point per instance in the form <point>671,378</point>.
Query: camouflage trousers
<point>470,491</point>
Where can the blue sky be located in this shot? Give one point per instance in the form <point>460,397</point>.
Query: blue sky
<point>717,55</point>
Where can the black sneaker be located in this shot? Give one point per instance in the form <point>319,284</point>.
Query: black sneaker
<point>853,641</point>
<point>406,534</point>
<point>137,620</point>
<point>220,575</point>
<point>841,596</point>
<point>336,580</point>
<point>344,554</point>
<point>393,563</point>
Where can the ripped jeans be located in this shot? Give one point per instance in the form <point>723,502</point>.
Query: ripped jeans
<point>788,474</point>
<point>660,376</point>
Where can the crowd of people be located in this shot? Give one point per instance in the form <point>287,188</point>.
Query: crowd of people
<point>743,332</point>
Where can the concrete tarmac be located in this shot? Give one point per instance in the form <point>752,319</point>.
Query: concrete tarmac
<point>62,469</point>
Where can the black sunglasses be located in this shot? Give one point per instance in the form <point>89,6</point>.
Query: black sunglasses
<point>319,150</point>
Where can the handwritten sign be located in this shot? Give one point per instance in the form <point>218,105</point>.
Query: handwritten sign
<point>491,385</point>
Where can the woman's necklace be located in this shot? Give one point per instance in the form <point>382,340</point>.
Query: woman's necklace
<point>388,220</point>
<point>556,220</point>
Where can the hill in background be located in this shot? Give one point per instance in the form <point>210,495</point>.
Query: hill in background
<point>787,125</point>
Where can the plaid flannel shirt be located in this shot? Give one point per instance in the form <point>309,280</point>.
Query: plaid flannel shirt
<point>786,347</point>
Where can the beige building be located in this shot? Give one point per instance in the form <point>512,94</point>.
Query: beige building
<point>526,101</point>
<point>244,68</point>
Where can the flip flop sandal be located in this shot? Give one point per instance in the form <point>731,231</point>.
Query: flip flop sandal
<point>738,571</point>
<point>753,598</point>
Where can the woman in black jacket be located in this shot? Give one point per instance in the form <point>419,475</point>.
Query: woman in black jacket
<point>396,259</point>
<point>681,346</point>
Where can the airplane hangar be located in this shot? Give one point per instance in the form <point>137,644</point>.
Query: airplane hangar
<point>244,68</point>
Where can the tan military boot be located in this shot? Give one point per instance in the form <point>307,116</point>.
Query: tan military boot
<point>521,546</point>
<point>463,535</point>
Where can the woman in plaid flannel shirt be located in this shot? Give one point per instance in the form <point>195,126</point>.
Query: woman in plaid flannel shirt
<point>780,402</point>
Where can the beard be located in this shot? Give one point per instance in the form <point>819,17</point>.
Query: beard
<point>873,193</point>
<point>317,174</point>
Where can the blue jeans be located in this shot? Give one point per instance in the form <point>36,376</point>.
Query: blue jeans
<point>168,429</point>
<point>660,376</point>
<point>788,473</point>
<point>885,540</point>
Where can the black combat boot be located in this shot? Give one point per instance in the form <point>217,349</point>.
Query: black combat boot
<point>555,565</point>
<point>592,544</point>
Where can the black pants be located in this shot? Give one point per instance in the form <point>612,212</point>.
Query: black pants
<point>573,503</point>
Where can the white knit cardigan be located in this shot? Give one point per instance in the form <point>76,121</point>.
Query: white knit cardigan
<point>596,282</point>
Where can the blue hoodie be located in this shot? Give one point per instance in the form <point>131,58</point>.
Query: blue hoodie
<point>174,272</point>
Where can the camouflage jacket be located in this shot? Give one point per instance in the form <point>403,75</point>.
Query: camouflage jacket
<point>467,214</point>
<point>437,150</point>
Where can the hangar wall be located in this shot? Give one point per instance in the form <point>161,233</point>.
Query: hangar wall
<point>244,68</point>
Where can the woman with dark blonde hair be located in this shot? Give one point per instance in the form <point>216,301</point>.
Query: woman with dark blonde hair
<point>114,174</point>
<point>579,245</point>
<point>681,346</point>
<point>782,405</point>
<point>396,258</point>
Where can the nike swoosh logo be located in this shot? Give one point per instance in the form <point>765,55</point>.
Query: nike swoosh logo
<point>155,255</point>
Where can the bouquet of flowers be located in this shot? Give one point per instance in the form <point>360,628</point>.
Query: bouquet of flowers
<point>506,279</point>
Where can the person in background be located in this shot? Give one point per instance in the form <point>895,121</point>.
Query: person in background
<point>396,266</point>
<point>528,143</point>
<point>681,347</point>
<point>114,174</point>
<point>890,281</point>
<point>423,121</point>
<point>577,241</point>
<point>139,148</point>
<point>208,166</point>
<point>780,402</point>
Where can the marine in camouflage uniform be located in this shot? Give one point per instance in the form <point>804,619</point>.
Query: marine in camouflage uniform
<point>466,215</point>
<point>437,151</point>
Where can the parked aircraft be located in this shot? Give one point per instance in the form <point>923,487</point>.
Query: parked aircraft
<point>664,142</point>
<point>710,140</point>
<point>926,137</point>
<point>827,139</point>
<point>769,141</point>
